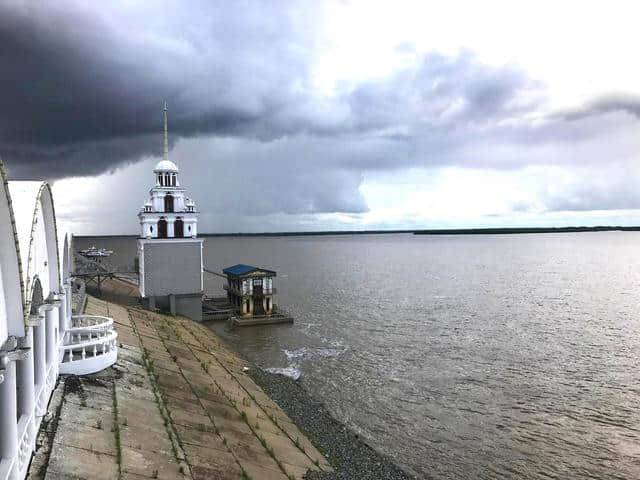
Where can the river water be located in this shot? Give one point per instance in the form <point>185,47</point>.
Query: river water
<point>462,357</point>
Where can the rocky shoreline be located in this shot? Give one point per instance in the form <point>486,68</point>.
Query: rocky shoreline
<point>350,456</point>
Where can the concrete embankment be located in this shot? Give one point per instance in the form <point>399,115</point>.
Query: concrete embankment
<point>178,404</point>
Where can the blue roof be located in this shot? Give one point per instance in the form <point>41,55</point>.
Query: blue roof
<point>240,269</point>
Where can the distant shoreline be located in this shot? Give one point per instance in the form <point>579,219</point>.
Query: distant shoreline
<point>508,231</point>
<point>444,231</point>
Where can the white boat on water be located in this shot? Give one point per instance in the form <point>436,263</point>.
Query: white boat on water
<point>96,252</point>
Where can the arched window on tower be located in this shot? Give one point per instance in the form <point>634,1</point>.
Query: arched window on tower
<point>162,228</point>
<point>173,180</point>
<point>178,228</point>
<point>168,203</point>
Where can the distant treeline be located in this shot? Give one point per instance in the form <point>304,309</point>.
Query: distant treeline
<point>306,234</point>
<point>448,231</point>
<point>504,231</point>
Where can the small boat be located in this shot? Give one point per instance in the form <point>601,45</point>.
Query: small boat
<point>95,252</point>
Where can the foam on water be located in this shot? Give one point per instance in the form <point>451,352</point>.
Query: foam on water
<point>291,354</point>
<point>291,372</point>
<point>306,352</point>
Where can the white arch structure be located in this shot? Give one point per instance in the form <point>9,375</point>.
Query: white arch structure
<point>39,337</point>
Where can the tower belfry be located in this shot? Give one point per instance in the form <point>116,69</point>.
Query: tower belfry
<point>169,250</point>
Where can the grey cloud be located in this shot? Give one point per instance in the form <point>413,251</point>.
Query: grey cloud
<point>602,190</point>
<point>442,93</point>
<point>253,178</point>
<point>618,102</point>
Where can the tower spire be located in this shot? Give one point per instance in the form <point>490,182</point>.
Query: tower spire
<point>165,153</point>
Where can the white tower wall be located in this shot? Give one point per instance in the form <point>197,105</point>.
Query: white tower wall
<point>170,257</point>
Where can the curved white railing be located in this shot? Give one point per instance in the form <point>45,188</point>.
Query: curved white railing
<point>89,322</point>
<point>89,345</point>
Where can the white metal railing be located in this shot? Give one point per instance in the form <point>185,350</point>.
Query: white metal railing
<point>6,467</point>
<point>26,443</point>
<point>17,466</point>
<point>50,379</point>
<point>87,331</point>
<point>89,322</point>
<point>87,344</point>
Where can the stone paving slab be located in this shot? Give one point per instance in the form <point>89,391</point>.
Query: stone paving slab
<point>91,438</point>
<point>149,464</point>
<point>90,417</point>
<point>68,462</point>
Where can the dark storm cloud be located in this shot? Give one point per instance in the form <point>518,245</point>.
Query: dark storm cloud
<point>76,159</point>
<point>84,85</point>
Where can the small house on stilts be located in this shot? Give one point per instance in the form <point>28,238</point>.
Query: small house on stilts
<point>251,293</point>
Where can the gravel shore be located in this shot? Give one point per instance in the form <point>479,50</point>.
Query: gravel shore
<point>350,456</point>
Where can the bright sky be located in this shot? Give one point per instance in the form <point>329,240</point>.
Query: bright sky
<point>579,49</point>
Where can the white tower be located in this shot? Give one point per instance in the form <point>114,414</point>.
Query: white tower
<point>169,252</point>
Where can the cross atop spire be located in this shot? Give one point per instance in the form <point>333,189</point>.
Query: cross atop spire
<point>165,153</point>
